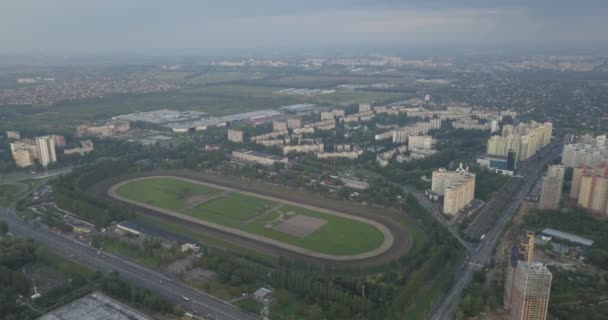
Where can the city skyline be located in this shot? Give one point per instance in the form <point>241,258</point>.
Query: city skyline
<point>240,27</point>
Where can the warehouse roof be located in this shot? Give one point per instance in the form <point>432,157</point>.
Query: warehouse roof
<point>95,306</point>
<point>568,236</point>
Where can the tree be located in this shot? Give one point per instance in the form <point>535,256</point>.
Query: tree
<point>3,227</point>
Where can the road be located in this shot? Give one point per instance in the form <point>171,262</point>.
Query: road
<point>435,211</point>
<point>19,176</point>
<point>173,290</point>
<point>531,170</point>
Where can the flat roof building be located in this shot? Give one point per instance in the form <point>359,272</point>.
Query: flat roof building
<point>258,157</point>
<point>95,306</point>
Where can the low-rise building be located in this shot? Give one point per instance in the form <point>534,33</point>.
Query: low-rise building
<point>258,157</point>
<point>86,146</point>
<point>279,125</point>
<point>14,135</point>
<point>294,123</point>
<point>354,184</point>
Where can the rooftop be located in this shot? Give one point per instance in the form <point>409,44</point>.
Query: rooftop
<point>95,306</point>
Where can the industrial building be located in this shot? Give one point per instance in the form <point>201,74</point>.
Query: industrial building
<point>298,108</point>
<point>95,306</point>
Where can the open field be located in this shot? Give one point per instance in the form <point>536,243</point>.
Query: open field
<point>9,190</point>
<point>295,226</point>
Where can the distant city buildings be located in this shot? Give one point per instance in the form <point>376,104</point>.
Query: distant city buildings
<point>457,188</point>
<point>551,188</point>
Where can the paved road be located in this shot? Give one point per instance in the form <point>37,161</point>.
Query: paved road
<point>435,212</point>
<point>19,176</point>
<point>168,288</point>
<point>513,199</point>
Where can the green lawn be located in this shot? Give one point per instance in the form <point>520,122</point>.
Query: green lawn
<point>339,236</point>
<point>7,191</point>
<point>166,193</point>
<point>230,210</point>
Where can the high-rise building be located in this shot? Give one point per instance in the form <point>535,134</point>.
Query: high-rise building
<point>525,139</point>
<point>457,188</point>
<point>46,150</point>
<point>22,154</point>
<point>589,153</point>
<point>593,188</point>
<point>235,135</point>
<point>522,250</point>
<point>551,189</point>
<point>531,289</point>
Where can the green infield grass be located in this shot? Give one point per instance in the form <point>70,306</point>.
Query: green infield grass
<point>317,231</point>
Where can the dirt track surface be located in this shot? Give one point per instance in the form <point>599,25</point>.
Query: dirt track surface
<point>401,239</point>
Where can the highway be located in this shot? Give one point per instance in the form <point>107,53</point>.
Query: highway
<point>192,300</point>
<point>495,225</point>
<point>19,176</point>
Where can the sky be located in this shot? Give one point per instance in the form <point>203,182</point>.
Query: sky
<point>298,26</point>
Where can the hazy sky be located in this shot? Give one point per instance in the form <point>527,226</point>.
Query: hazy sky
<point>233,26</point>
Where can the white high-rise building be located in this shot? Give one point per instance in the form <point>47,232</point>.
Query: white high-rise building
<point>46,150</point>
<point>551,189</point>
<point>457,187</point>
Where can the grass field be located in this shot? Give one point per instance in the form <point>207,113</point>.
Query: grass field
<point>7,191</point>
<point>337,236</point>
